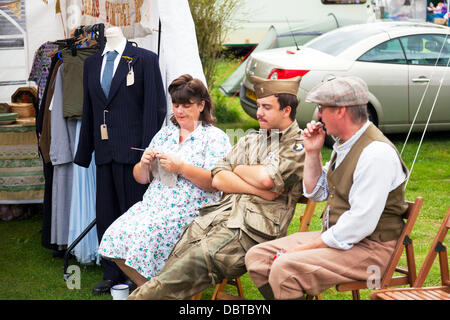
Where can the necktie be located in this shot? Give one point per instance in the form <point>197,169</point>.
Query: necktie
<point>108,71</point>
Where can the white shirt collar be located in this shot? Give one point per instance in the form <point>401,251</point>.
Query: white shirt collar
<point>120,48</point>
<point>347,145</point>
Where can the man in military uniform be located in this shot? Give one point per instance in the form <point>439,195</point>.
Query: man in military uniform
<point>364,186</point>
<point>262,180</point>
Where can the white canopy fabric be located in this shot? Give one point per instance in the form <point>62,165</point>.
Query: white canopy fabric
<point>178,43</point>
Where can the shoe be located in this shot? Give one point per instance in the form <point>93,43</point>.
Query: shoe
<point>103,287</point>
<point>130,284</point>
<point>58,253</point>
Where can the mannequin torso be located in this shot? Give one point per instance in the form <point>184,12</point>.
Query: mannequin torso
<point>114,38</point>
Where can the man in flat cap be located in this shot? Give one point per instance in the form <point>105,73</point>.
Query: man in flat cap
<point>262,180</point>
<point>364,185</point>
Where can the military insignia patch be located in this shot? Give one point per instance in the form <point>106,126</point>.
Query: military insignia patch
<point>298,146</point>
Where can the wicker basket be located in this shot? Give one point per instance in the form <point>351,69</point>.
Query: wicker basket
<point>4,108</point>
<point>24,110</point>
<point>25,94</point>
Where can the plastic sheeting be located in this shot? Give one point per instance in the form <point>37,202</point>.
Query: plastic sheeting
<point>403,9</point>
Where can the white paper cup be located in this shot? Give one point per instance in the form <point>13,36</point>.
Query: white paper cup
<point>120,291</point>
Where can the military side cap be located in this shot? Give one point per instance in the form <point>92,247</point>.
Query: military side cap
<point>267,87</point>
<point>343,91</point>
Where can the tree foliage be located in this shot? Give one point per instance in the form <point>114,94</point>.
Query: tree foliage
<point>212,22</point>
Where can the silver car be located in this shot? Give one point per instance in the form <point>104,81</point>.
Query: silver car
<point>405,64</point>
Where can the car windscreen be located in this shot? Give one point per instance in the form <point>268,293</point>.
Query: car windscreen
<point>334,42</point>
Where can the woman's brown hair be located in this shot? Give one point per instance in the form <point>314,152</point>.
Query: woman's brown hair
<point>185,90</point>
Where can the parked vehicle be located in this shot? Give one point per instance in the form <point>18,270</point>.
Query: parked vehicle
<point>403,64</point>
<point>253,18</point>
<point>267,24</point>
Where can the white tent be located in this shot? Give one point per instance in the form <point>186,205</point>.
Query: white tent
<point>26,24</point>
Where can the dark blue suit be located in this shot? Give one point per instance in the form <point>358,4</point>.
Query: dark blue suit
<point>135,114</point>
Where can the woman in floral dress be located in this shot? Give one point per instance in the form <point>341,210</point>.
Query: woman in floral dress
<point>141,240</point>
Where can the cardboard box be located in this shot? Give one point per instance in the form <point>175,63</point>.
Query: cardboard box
<point>440,21</point>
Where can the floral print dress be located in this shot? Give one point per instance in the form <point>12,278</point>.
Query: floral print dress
<point>145,235</point>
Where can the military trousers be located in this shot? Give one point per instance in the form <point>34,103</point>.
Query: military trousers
<point>204,256</point>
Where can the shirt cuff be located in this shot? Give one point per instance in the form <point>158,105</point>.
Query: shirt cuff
<point>320,192</point>
<point>272,171</point>
<point>219,168</point>
<point>313,193</point>
<point>330,240</point>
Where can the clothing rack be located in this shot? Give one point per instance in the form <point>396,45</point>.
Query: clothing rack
<point>96,30</point>
<point>73,245</point>
<point>81,38</point>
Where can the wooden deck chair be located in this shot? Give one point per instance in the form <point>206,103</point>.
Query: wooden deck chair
<point>219,291</point>
<point>404,243</point>
<point>427,293</point>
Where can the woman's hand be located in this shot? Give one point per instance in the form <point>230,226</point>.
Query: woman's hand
<point>142,171</point>
<point>170,163</point>
<point>148,156</point>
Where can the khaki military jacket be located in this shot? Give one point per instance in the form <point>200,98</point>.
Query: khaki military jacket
<point>282,154</point>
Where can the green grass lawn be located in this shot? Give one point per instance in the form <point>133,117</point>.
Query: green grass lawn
<point>28,271</point>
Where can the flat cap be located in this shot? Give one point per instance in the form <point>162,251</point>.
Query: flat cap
<point>342,91</point>
<point>267,87</point>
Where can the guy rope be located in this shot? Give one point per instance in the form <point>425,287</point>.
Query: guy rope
<point>432,107</point>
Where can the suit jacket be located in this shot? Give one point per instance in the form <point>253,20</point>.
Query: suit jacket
<point>135,112</point>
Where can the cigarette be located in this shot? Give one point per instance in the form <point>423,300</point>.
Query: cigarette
<point>138,149</point>
<point>320,125</point>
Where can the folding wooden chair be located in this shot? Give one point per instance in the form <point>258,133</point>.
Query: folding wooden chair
<point>219,291</point>
<point>427,293</point>
<point>404,243</point>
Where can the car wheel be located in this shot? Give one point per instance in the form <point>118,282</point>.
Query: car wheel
<point>372,114</point>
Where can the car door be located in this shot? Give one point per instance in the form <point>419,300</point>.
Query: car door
<point>385,71</point>
<point>428,56</point>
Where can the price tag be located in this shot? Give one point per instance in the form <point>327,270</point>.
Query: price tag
<point>104,132</point>
<point>130,75</point>
<point>103,127</point>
